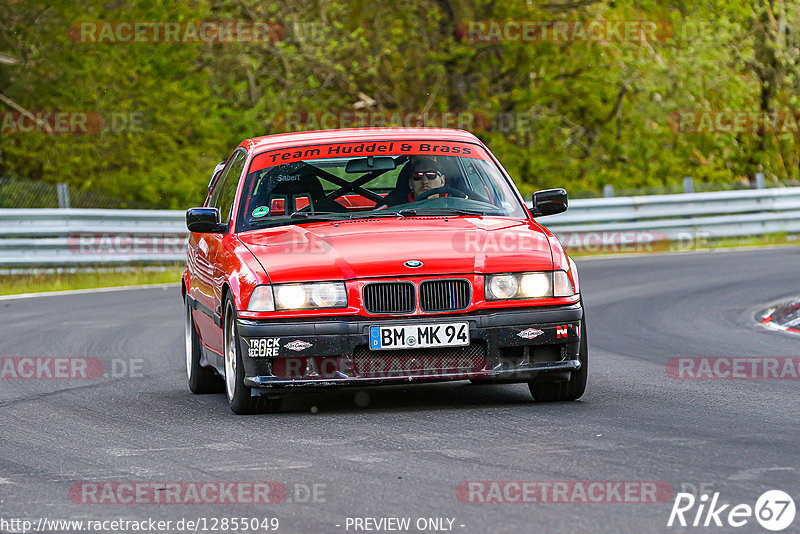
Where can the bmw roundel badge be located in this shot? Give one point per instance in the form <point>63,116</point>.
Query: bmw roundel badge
<point>413,264</point>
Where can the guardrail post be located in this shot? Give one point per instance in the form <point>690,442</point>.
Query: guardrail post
<point>761,183</point>
<point>688,185</point>
<point>608,190</point>
<point>63,195</point>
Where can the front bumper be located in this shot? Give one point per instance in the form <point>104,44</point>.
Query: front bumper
<point>506,346</point>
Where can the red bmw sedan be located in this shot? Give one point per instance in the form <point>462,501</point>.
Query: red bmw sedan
<point>363,257</point>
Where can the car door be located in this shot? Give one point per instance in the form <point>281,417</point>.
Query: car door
<point>210,267</point>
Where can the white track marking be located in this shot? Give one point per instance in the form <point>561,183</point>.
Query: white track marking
<point>85,291</point>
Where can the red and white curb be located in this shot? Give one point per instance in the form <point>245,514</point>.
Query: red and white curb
<point>784,317</point>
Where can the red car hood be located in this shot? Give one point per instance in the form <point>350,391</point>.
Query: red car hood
<point>373,248</point>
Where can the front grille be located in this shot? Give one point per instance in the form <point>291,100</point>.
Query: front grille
<point>389,297</point>
<point>432,362</point>
<point>444,295</point>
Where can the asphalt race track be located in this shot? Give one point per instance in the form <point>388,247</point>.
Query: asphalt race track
<point>403,451</point>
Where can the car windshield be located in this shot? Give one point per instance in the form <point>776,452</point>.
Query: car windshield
<point>303,184</point>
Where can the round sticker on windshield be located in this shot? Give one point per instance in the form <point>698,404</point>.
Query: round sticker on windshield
<point>261,211</point>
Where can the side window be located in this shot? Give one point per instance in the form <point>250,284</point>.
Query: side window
<point>216,185</point>
<point>480,182</point>
<point>224,192</point>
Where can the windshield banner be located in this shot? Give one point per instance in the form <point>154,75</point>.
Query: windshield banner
<point>366,148</point>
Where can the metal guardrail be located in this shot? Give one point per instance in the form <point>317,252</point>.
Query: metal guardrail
<point>53,237</point>
<point>37,237</point>
<point>64,222</point>
<point>684,216</point>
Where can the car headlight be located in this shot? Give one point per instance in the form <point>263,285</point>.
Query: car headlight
<point>503,286</point>
<point>535,285</point>
<point>316,295</point>
<point>528,285</point>
<point>291,297</point>
<point>328,295</point>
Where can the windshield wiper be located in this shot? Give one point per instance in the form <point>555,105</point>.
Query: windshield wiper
<point>427,211</point>
<point>308,216</point>
<point>413,212</point>
<point>407,212</point>
<point>316,214</point>
<point>297,216</point>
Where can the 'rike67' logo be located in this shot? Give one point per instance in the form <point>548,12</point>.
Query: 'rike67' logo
<point>774,510</point>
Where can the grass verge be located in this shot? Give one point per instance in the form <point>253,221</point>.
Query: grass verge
<point>12,283</point>
<point>596,247</point>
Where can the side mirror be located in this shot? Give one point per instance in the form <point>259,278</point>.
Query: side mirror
<point>549,202</point>
<point>204,221</point>
<point>217,170</point>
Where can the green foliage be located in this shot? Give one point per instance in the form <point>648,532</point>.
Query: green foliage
<point>578,114</point>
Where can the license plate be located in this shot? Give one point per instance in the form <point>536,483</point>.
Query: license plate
<point>418,336</point>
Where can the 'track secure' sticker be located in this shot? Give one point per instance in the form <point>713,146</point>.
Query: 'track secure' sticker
<point>264,347</point>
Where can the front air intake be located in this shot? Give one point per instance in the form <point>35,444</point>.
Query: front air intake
<point>444,295</point>
<point>389,297</point>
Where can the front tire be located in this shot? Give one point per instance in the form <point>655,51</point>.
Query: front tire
<point>201,379</point>
<point>240,397</point>
<point>572,389</point>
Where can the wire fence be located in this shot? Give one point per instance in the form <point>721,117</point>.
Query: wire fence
<point>15,193</point>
